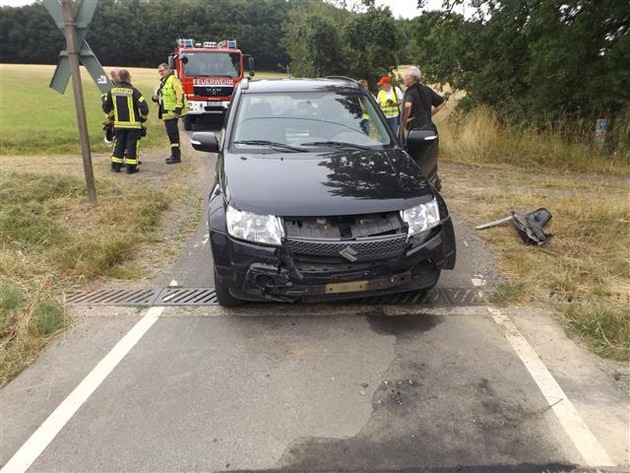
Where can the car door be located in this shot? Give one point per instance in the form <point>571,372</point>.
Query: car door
<point>423,145</point>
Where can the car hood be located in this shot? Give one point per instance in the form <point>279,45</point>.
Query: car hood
<point>323,184</point>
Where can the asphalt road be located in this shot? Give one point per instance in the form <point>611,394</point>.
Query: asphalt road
<point>316,387</point>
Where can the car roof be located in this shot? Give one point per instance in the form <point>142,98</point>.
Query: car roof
<point>302,85</point>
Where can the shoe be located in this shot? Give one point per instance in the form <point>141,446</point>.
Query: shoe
<point>173,160</point>
<point>132,169</point>
<point>116,167</point>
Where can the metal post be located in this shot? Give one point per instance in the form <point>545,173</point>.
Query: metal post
<point>79,102</point>
<point>601,128</point>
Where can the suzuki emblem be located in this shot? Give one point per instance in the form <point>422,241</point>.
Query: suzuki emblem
<point>349,253</point>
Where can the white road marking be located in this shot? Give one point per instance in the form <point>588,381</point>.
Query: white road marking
<point>477,282</point>
<point>168,298</point>
<point>204,242</point>
<point>586,443</point>
<point>41,438</point>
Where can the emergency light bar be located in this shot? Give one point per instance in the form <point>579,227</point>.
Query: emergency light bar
<point>191,43</point>
<point>228,43</point>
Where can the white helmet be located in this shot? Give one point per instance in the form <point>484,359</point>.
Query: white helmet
<point>109,133</point>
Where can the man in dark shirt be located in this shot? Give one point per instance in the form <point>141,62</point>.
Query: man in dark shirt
<point>420,102</point>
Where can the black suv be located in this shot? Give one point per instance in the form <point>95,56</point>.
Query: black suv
<point>315,199</point>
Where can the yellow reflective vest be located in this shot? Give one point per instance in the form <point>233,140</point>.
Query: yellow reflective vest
<point>171,97</point>
<point>382,97</point>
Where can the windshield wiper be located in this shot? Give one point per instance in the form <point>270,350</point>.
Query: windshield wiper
<point>336,144</point>
<point>271,144</point>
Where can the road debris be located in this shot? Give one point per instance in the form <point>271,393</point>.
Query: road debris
<point>528,225</point>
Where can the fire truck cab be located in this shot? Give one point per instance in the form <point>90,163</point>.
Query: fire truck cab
<point>209,71</point>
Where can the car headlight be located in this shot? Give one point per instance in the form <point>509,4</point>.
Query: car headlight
<point>266,229</point>
<point>422,217</point>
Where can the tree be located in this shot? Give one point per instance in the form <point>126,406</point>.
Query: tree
<point>29,35</point>
<point>322,39</point>
<point>142,33</point>
<point>312,40</point>
<point>373,40</point>
<point>533,59</point>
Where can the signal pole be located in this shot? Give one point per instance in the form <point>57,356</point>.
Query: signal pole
<point>79,102</point>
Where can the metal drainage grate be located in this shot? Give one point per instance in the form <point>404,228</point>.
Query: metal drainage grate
<point>437,296</point>
<point>131,297</point>
<point>168,296</point>
<point>180,296</point>
<point>186,296</point>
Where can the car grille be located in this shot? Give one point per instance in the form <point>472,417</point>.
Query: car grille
<point>362,250</point>
<point>213,91</point>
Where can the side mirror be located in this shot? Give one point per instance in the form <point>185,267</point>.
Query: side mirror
<point>171,62</point>
<point>205,141</point>
<point>250,66</point>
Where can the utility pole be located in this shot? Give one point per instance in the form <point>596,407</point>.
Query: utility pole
<point>79,102</point>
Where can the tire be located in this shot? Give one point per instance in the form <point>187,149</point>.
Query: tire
<point>188,121</point>
<point>222,291</point>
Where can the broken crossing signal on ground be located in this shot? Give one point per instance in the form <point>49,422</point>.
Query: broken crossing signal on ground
<point>528,225</point>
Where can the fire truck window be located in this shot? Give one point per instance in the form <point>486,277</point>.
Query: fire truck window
<point>236,63</point>
<point>213,64</point>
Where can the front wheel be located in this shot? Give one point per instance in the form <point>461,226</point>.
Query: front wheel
<point>222,291</point>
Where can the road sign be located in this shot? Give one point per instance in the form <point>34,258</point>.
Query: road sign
<point>77,50</point>
<point>82,19</point>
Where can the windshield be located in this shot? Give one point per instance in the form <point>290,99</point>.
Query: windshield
<point>213,64</point>
<point>307,120</point>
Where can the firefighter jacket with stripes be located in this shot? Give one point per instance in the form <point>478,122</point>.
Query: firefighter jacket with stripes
<point>125,105</point>
<point>171,98</point>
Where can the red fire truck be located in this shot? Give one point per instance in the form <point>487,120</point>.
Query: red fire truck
<point>209,71</point>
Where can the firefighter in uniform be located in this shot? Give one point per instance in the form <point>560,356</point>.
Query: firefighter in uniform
<point>128,109</point>
<point>108,124</point>
<point>170,96</point>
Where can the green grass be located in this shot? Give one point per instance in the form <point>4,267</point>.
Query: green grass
<point>508,292</point>
<point>45,121</point>
<point>52,240</point>
<point>11,299</point>
<point>605,326</point>
<point>27,323</point>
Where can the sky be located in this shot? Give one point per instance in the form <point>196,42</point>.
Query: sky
<point>15,3</point>
<point>407,8</point>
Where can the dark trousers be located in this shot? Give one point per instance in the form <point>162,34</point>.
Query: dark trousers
<point>126,148</point>
<point>172,130</point>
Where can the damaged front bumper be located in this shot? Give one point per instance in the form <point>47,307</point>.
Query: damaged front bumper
<point>258,273</point>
